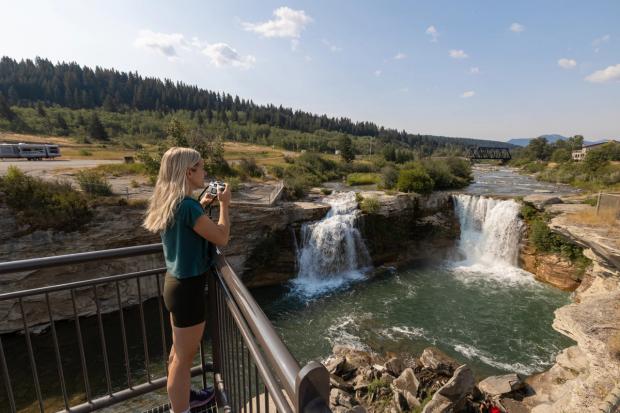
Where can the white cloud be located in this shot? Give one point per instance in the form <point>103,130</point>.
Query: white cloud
<point>287,23</point>
<point>400,56</point>
<point>162,43</point>
<point>432,31</point>
<point>378,72</point>
<point>222,55</point>
<point>516,27</point>
<point>308,58</point>
<point>474,71</point>
<point>609,74</point>
<point>468,94</point>
<point>458,54</point>
<point>598,42</point>
<point>565,63</point>
<point>332,47</point>
<point>403,89</point>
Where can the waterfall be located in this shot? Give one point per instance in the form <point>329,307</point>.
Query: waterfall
<point>332,251</point>
<point>490,234</point>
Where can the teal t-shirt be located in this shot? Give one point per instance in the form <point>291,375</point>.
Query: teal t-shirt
<point>187,254</point>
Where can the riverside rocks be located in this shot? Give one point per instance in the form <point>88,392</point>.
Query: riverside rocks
<point>399,383</point>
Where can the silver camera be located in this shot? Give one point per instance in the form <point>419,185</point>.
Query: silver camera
<point>215,187</point>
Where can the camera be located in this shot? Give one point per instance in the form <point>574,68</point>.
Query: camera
<point>214,187</point>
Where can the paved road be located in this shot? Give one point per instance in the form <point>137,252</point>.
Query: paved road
<point>52,167</point>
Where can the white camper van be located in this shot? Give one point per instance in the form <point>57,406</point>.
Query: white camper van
<point>30,151</point>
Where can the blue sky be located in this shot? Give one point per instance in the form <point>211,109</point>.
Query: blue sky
<point>485,69</point>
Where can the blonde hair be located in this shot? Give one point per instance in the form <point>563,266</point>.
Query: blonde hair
<point>170,189</point>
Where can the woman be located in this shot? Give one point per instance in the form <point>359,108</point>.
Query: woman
<point>186,232</point>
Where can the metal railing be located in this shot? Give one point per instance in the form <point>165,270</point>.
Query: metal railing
<point>252,370</point>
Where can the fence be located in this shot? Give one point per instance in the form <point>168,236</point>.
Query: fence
<point>608,204</point>
<point>250,367</point>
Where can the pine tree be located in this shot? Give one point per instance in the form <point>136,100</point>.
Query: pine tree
<point>5,109</point>
<point>346,148</point>
<point>96,129</point>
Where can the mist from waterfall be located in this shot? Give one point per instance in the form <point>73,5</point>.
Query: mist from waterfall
<point>332,252</point>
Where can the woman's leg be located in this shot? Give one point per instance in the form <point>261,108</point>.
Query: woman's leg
<point>185,342</point>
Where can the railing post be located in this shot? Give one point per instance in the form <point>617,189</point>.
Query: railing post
<point>213,328</point>
<point>312,389</point>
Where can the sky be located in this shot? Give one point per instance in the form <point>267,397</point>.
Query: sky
<point>480,69</point>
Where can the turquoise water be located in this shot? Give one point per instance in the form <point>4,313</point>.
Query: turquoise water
<point>491,325</point>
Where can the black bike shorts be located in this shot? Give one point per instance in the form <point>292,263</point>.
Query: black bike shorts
<point>185,299</point>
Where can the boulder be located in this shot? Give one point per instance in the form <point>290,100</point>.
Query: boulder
<point>434,359</point>
<point>395,366</point>
<point>338,397</point>
<point>339,383</point>
<point>407,385</point>
<point>500,385</point>
<point>451,396</point>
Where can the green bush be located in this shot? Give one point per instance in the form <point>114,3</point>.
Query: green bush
<point>363,178</point>
<point>389,176</point>
<point>370,205</point>
<point>248,167</point>
<point>93,182</point>
<point>44,205</point>
<point>415,180</point>
<point>85,152</point>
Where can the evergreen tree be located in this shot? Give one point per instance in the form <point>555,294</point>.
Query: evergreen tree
<point>346,148</point>
<point>41,110</point>
<point>5,109</point>
<point>177,133</point>
<point>96,129</point>
<point>61,125</point>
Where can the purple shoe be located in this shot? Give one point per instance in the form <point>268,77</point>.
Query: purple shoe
<point>198,398</point>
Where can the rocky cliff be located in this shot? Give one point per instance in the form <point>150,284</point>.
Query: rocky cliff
<point>585,377</point>
<point>408,227</point>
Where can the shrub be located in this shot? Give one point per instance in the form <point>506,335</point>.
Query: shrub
<point>370,205</point>
<point>93,182</point>
<point>276,170</point>
<point>389,176</point>
<point>44,205</point>
<point>415,180</point>
<point>361,178</point>
<point>248,167</point>
<point>326,191</point>
<point>85,152</point>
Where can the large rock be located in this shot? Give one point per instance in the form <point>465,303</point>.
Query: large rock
<point>451,396</point>
<point>406,385</point>
<point>434,359</point>
<point>500,385</point>
<point>395,366</point>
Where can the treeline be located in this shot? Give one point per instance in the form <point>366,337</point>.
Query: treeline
<point>553,162</point>
<point>27,82</point>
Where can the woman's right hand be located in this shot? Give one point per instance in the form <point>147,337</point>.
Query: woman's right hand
<point>224,196</point>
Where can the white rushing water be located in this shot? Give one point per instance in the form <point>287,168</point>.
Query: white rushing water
<point>332,251</point>
<point>490,233</point>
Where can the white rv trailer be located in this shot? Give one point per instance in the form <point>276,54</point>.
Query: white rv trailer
<point>30,151</point>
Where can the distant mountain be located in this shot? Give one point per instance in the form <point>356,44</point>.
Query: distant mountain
<point>552,138</point>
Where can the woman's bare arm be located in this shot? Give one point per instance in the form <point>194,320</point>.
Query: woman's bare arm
<point>219,233</point>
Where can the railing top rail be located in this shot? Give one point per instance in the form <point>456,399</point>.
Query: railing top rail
<point>278,355</point>
<point>79,284</point>
<point>78,258</point>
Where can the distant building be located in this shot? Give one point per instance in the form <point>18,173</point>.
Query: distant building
<point>580,155</point>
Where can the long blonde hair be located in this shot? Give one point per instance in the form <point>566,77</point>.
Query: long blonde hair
<point>170,188</point>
